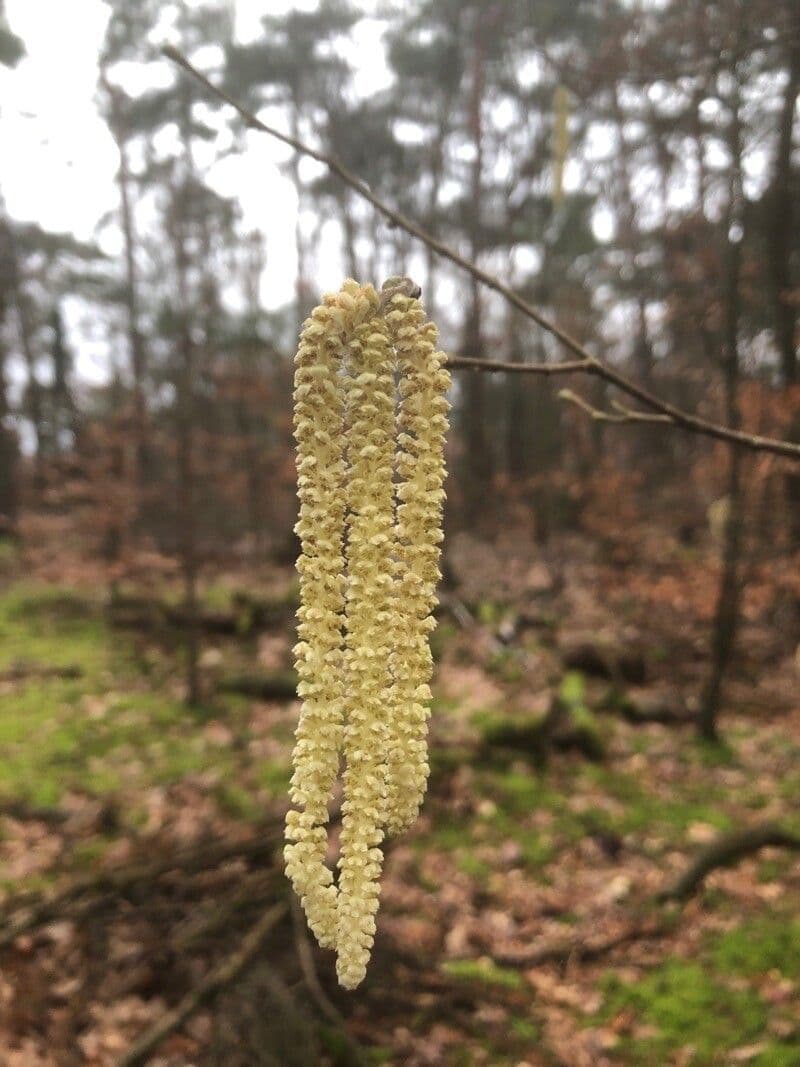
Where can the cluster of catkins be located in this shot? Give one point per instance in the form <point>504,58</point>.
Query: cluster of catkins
<point>370,421</point>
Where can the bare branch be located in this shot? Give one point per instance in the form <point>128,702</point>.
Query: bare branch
<point>586,362</point>
<point>725,850</point>
<point>575,366</point>
<point>223,974</point>
<point>622,413</point>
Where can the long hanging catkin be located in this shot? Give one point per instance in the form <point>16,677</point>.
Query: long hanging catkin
<point>368,572</point>
<point>319,429</point>
<point>370,447</point>
<point>422,425</point>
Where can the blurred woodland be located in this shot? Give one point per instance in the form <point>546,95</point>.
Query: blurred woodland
<point>606,868</point>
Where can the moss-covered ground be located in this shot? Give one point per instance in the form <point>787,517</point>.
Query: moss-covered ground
<point>510,855</point>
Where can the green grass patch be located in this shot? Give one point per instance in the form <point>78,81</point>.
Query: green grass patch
<point>275,778</point>
<point>767,943</point>
<point>525,1030</point>
<point>95,733</point>
<point>702,1009</point>
<point>474,867</point>
<point>506,665</point>
<point>646,810</point>
<point>484,971</point>
<point>238,803</point>
<point>689,1010</point>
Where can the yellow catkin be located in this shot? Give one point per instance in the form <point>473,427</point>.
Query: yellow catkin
<point>421,429</point>
<point>370,447</point>
<point>319,428</point>
<point>370,423</point>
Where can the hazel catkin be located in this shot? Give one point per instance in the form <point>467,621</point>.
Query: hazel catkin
<point>370,425</point>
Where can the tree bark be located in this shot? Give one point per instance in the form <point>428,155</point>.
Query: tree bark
<point>478,455</point>
<point>25,334</point>
<point>783,222</point>
<point>136,344</point>
<point>186,427</point>
<point>726,620</point>
<point>516,407</point>
<point>9,445</point>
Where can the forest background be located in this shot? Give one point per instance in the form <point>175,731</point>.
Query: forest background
<point>618,651</point>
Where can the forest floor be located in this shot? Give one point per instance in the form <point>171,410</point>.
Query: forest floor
<point>518,922</point>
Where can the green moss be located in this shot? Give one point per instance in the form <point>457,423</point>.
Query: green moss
<point>700,1009</point>
<point>87,853</point>
<point>275,777</point>
<point>56,627</point>
<point>440,638</point>
<point>525,1030</point>
<point>238,803</point>
<point>489,613</point>
<point>93,733</point>
<point>476,868</point>
<point>645,810</point>
<point>572,690</point>
<point>484,971</point>
<point>506,666</point>
<point>688,1009</point>
<point>521,794</point>
<point>768,943</point>
<point>778,1054</point>
<point>714,753</point>
<point>448,835</point>
<point>773,870</point>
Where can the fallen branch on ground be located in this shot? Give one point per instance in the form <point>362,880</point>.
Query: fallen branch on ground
<point>22,917</point>
<point>24,812</point>
<point>559,728</point>
<point>247,616</point>
<point>727,849</point>
<point>261,686</point>
<point>222,975</point>
<point>666,709</point>
<point>305,956</point>
<point>22,672</point>
<point>257,890</point>
<point>573,950</point>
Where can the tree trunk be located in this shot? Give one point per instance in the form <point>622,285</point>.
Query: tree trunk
<point>478,455</point>
<point>135,339</point>
<point>186,480</point>
<point>136,344</point>
<point>24,331</point>
<point>729,595</point>
<point>301,281</point>
<point>516,407</point>
<point>9,445</point>
<point>186,427</point>
<point>783,221</point>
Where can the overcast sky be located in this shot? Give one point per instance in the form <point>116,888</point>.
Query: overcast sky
<point>59,162</point>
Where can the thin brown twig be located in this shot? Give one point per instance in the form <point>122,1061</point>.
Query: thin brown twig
<point>575,366</point>
<point>91,890</point>
<point>621,415</point>
<point>586,363</point>
<point>727,849</point>
<point>305,956</point>
<point>573,950</point>
<point>223,974</point>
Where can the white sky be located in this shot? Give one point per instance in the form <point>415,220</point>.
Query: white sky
<point>58,161</point>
